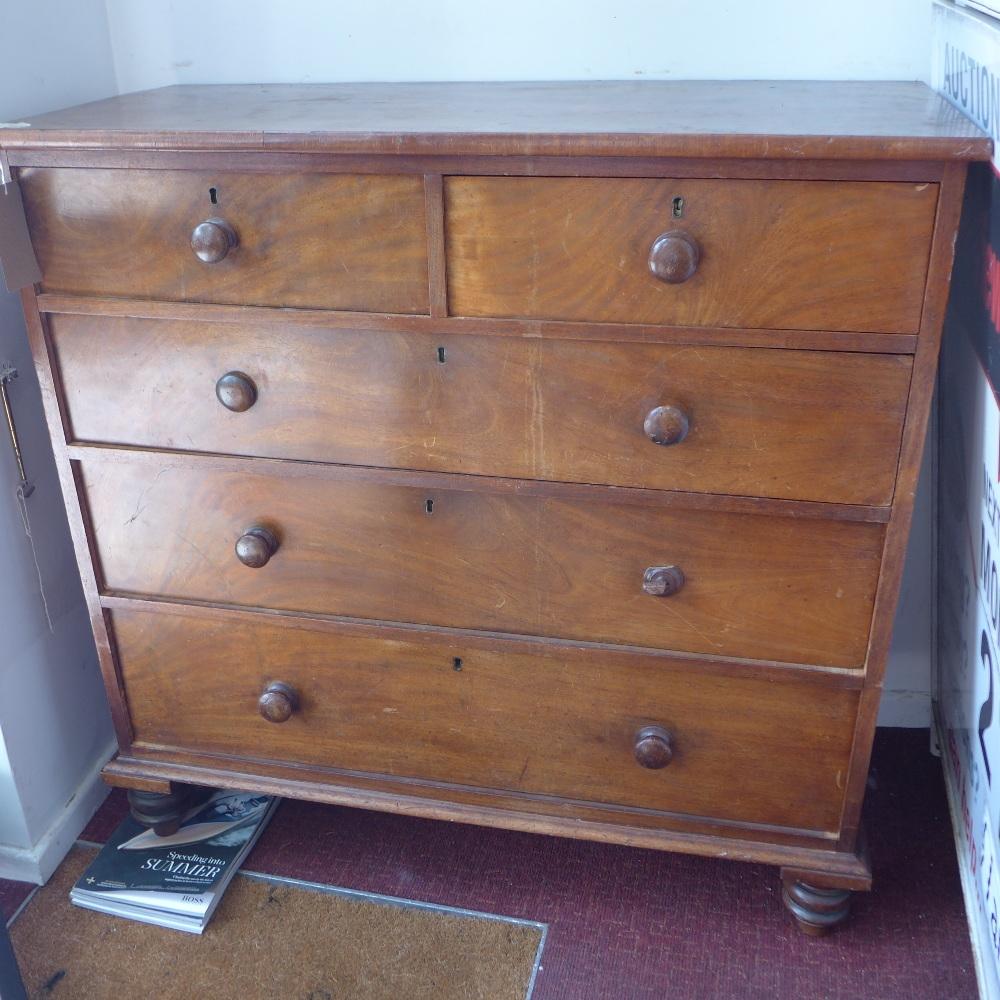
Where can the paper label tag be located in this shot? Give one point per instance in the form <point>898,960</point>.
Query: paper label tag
<point>17,258</point>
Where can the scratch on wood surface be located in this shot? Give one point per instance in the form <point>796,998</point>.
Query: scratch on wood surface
<point>139,505</point>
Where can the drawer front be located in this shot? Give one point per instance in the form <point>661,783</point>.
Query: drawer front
<point>550,723</point>
<point>311,240</point>
<point>789,424</point>
<point>809,255</point>
<point>767,587</point>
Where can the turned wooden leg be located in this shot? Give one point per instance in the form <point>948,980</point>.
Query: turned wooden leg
<point>163,811</point>
<point>816,909</point>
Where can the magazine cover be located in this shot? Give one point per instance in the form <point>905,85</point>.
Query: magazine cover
<point>178,879</point>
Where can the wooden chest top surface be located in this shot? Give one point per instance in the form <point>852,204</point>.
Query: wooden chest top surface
<point>758,119</point>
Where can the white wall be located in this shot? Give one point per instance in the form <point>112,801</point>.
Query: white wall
<point>264,41</point>
<point>906,696</point>
<point>55,730</point>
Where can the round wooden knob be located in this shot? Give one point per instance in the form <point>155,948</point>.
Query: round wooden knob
<point>278,702</point>
<point>236,391</point>
<point>662,581</point>
<point>256,546</point>
<point>666,425</point>
<point>212,239</point>
<point>674,256</point>
<point>653,747</point>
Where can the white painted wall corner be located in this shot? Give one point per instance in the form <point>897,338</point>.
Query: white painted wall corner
<point>37,863</point>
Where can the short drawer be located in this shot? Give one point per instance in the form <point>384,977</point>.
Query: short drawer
<point>553,722</point>
<point>809,255</point>
<point>796,589</point>
<point>328,241</point>
<point>796,425</point>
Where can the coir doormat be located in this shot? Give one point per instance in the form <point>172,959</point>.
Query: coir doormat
<point>273,938</point>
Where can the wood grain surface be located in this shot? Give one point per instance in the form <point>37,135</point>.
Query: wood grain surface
<point>491,807</point>
<point>446,291</point>
<point>52,303</point>
<point>321,241</point>
<point>762,119</point>
<point>910,463</point>
<point>744,749</point>
<point>500,562</point>
<point>774,254</point>
<point>788,424</point>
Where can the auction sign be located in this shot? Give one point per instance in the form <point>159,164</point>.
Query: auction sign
<point>966,70</point>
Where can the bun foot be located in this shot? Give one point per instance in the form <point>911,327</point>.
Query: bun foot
<point>816,909</point>
<point>164,811</point>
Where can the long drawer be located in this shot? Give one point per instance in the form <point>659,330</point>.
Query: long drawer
<point>327,241</point>
<point>789,424</point>
<point>734,584</point>
<point>811,255</point>
<point>548,722</point>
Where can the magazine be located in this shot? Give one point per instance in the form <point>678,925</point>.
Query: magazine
<point>178,880</point>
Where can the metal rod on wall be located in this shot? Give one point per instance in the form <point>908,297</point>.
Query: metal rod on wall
<point>7,374</point>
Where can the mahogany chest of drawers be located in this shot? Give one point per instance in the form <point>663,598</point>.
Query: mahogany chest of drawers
<point>531,455</point>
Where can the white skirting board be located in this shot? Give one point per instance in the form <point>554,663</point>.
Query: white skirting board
<point>905,709</point>
<point>37,864</point>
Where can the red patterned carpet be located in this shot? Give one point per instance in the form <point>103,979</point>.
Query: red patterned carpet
<point>629,924</point>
